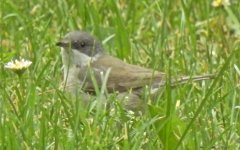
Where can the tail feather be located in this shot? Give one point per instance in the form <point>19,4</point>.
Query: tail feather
<point>184,80</point>
<point>180,81</point>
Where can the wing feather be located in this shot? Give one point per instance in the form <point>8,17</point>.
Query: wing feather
<point>122,76</point>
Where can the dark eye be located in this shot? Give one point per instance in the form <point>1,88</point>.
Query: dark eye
<point>82,44</point>
<point>78,44</point>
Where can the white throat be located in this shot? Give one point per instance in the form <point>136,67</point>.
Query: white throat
<point>73,60</point>
<point>76,58</point>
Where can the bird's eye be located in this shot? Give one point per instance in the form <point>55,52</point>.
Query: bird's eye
<point>82,44</point>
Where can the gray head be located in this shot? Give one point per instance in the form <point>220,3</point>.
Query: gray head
<point>82,42</point>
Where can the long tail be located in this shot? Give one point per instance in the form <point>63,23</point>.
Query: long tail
<point>183,80</point>
<point>180,81</point>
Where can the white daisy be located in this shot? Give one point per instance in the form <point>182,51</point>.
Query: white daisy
<point>18,66</point>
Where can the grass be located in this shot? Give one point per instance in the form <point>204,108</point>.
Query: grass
<point>176,37</point>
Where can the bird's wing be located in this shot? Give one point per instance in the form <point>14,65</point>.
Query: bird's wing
<point>122,76</point>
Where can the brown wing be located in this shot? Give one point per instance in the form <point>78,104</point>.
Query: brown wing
<point>122,76</point>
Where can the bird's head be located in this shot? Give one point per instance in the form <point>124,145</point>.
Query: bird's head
<point>79,47</point>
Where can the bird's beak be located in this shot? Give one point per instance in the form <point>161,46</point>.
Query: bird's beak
<point>63,44</point>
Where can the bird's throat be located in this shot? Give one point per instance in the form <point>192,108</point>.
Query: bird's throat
<point>73,63</point>
<point>75,58</point>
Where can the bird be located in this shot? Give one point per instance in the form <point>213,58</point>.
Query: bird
<point>88,67</point>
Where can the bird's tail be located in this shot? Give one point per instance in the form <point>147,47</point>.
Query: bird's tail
<point>180,81</point>
<point>186,79</point>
